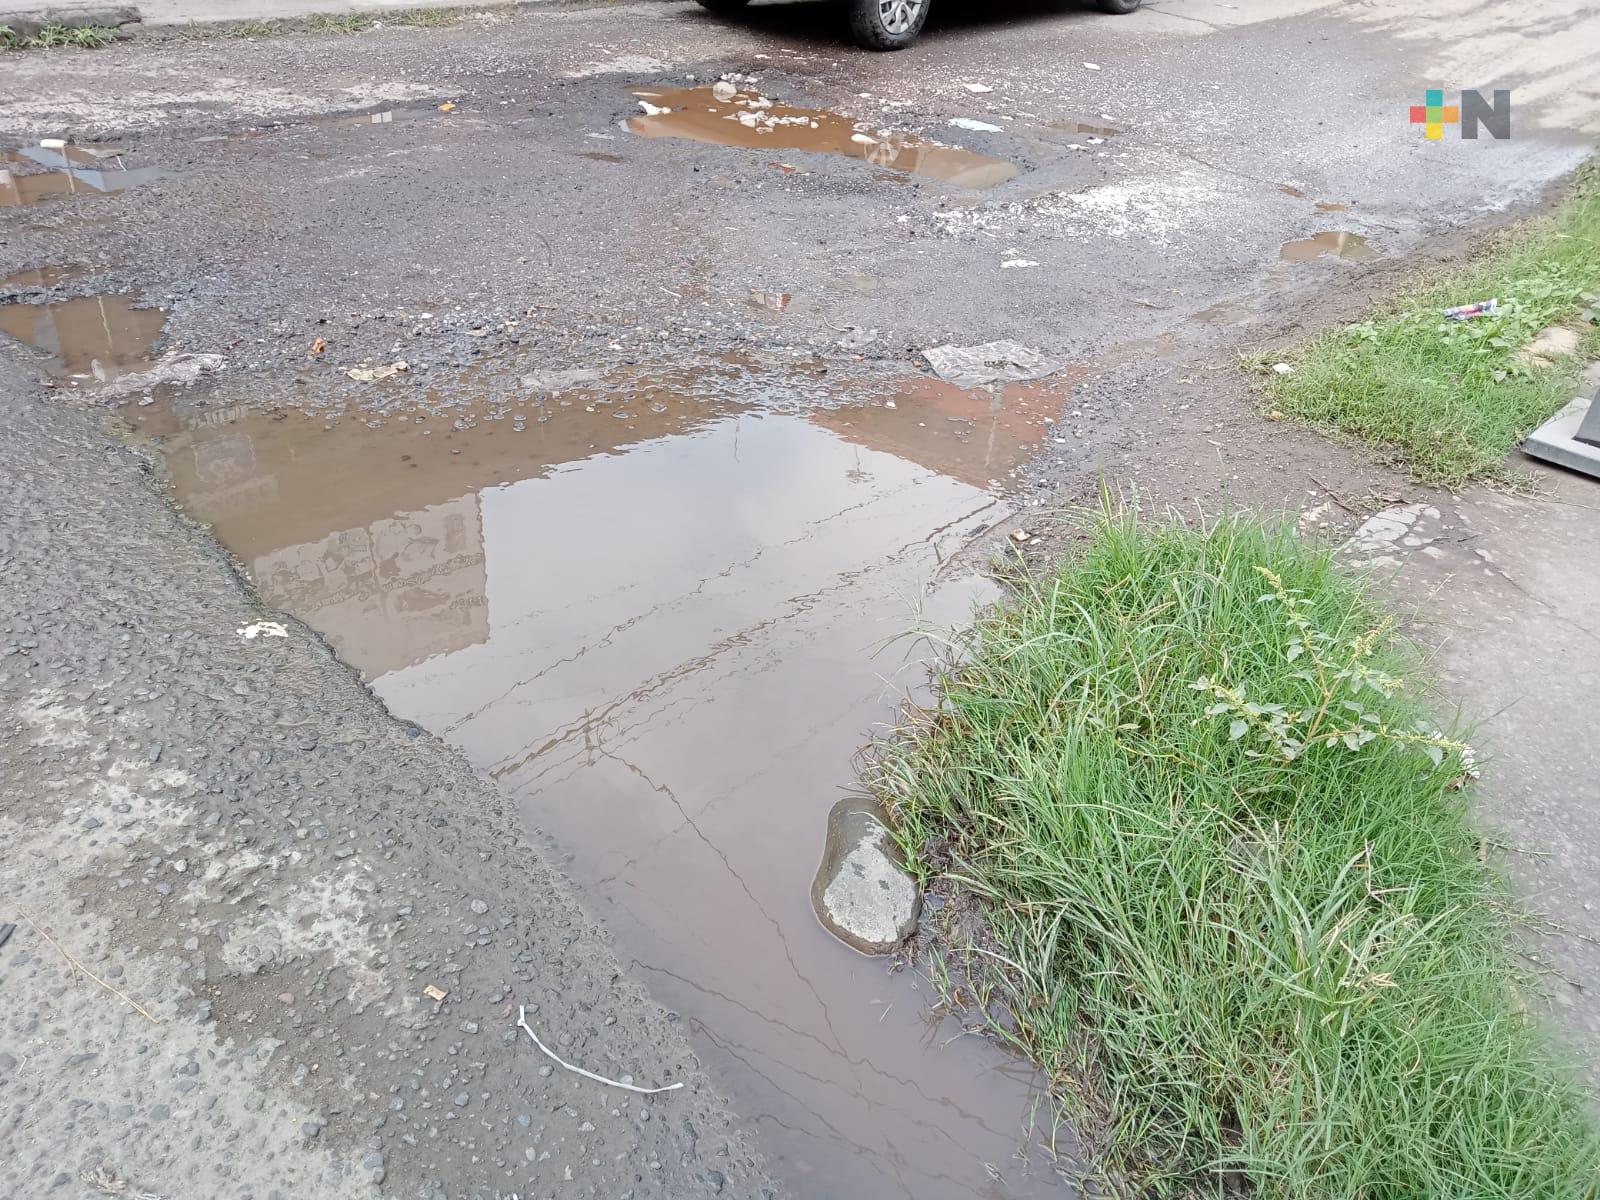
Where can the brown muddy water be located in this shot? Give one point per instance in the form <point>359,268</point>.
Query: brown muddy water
<point>91,337</point>
<point>1336,243</point>
<point>35,174</point>
<point>750,120</point>
<point>665,618</point>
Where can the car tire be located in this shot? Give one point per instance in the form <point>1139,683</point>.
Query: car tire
<point>1120,8</point>
<point>886,24</point>
<point>723,6</point>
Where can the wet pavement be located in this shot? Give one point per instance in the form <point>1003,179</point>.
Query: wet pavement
<point>574,394</point>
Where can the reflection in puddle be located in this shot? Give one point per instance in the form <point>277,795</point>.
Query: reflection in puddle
<point>43,277</point>
<point>750,120</point>
<point>666,637</point>
<point>1083,127</point>
<point>68,171</point>
<point>1335,242</point>
<point>95,336</point>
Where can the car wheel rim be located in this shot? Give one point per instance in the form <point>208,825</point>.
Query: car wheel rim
<point>898,16</point>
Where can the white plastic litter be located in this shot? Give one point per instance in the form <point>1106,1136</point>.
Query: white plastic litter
<point>259,629</point>
<point>991,362</point>
<point>975,126</point>
<point>522,1022</point>
<point>175,368</point>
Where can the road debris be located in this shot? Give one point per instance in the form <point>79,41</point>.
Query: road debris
<point>260,629</point>
<point>977,88</point>
<point>975,126</point>
<point>559,380</point>
<point>991,362</point>
<point>175,369</point>
<point>522,1022</point>
<point>1465,312</point>
<point>386,371</point>
<point>1017,263</point>
<point>862,892</point>
<point>434,993</point>
<point>83,970</point>
<point>1282,368</point>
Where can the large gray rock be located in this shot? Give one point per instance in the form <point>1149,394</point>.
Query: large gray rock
<point>862,893</point>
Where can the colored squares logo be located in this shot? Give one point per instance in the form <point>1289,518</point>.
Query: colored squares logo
<point>1435,114</point>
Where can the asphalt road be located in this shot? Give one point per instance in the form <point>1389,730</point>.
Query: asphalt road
<point>506,223</point>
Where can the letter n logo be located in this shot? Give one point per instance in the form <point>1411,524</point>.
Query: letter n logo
<point>1496,118</point>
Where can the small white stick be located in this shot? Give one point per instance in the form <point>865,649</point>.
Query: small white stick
<point>522,1020</point>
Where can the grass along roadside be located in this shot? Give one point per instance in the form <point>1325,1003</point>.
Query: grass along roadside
<point>48,37</point>
<point>1448,400</point>
<point>1230,903</point>
<point>335,23</point>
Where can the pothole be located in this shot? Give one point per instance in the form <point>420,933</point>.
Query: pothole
<point>724,116</point>
<point>91,337</point>
<point>662,609</point>
<point>1335,243</point>
<point>48,171</point>
<point>44,277</point>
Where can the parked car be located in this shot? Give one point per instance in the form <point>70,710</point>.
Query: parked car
<point>894,24</point>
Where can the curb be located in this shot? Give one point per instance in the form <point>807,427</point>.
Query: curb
<point>27,22</point>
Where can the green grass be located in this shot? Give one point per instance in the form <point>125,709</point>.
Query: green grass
<point>1448,400</point>
<point>415,18</point>
<point>1229,903</point>
<point>83,37</point>
<point>344,23</point>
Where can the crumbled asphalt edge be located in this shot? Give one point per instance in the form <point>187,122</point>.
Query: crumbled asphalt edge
<point>237,835</point>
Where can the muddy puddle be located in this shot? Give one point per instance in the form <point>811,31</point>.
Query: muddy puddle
<point>43,277</point>
<point>1084,127</point>
<point>90,337</point>
<point>665,620</point>
<point>747,119</point>
<point>35,174</point>
<point>1335,243</point>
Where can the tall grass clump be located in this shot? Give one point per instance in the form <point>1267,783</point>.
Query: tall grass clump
<point>1448,400</point>
<point>1229,902</point>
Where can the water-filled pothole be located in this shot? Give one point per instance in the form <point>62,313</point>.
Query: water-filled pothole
<point>730,117</point>
<point>34,174</point>
<point>1337,243</point>
<point>662,613</point>
<point>91,337</point>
